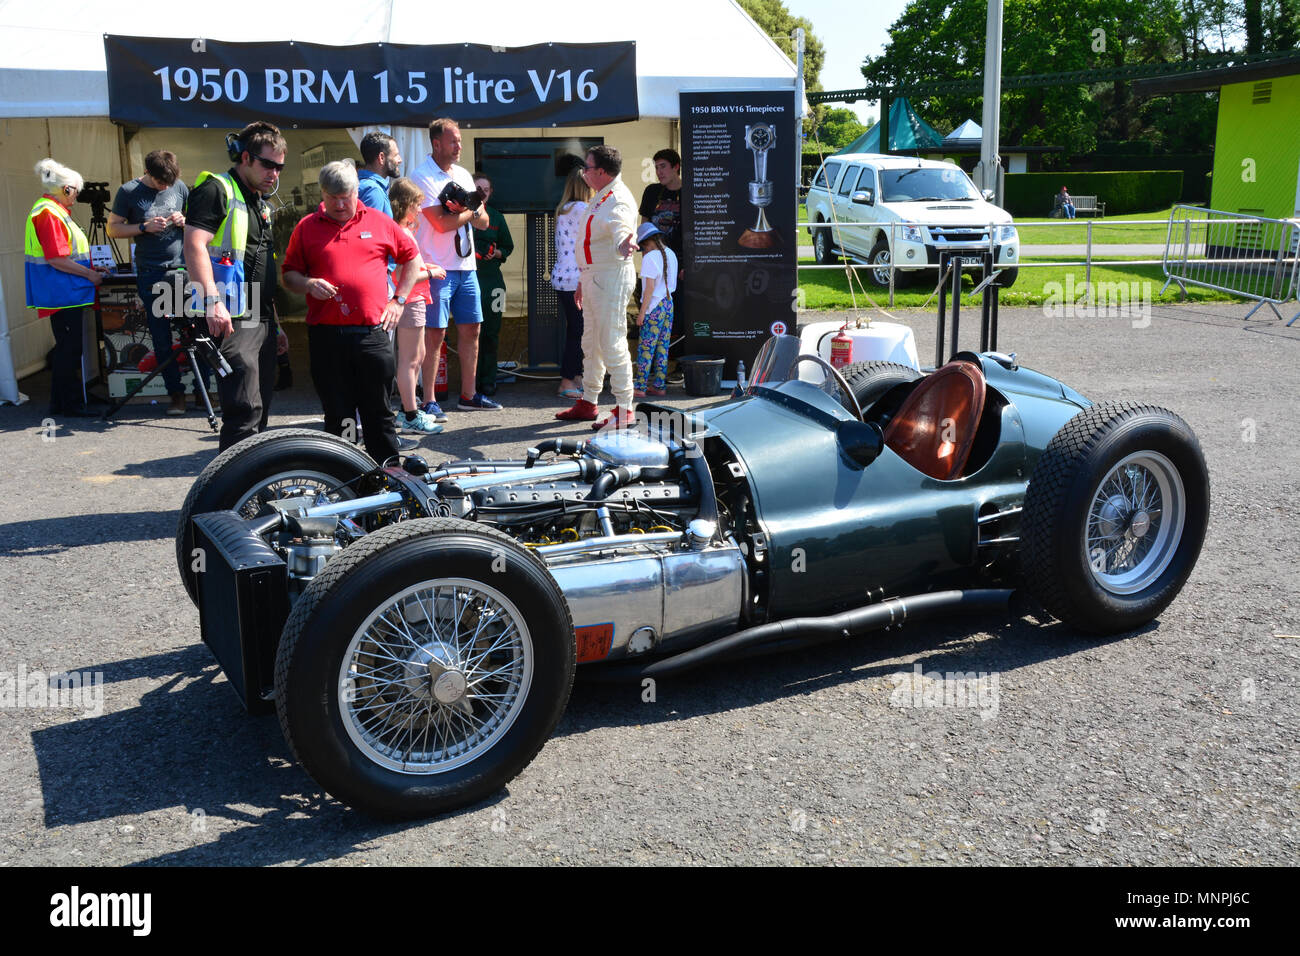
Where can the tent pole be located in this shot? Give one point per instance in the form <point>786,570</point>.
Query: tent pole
<point>989,154</point>
<point>798,108</point>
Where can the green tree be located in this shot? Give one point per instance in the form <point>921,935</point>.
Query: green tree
<point>944,40</point>
<point>838,128</point>
<point>774,19</point>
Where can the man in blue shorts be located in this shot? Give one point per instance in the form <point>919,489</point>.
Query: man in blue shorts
<point>446,236</point>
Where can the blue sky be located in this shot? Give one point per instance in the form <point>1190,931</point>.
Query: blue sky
<point>849,32</point>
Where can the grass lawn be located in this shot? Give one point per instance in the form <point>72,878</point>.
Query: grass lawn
<point>828,288</point>
<point>1112,229</point>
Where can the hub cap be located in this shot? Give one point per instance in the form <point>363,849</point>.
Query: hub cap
<point>1135,522</point>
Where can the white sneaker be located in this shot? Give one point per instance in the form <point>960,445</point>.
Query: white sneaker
<point>420,423</point>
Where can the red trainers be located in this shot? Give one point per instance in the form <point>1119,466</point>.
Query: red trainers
<point>616,420</point>
<point>582,411</point>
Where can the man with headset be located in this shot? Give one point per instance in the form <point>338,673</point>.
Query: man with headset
<point>230,257</point>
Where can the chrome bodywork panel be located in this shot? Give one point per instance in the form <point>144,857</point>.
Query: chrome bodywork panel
<point>675,594</point>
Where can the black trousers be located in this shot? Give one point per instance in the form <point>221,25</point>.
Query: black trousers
<point>571,362</point>
<point>67,391</point>
<point>246,392</point>
<point>351,367</point>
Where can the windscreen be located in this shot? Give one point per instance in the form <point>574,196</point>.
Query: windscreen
<point>780,361</point>
<point>926,184</point>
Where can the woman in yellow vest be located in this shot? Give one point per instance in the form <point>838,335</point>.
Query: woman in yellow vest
<point>60,281</point>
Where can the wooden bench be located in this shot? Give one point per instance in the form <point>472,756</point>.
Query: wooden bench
<point>1083,206</point>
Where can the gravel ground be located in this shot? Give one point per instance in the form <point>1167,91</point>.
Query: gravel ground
<point>1173,745</point>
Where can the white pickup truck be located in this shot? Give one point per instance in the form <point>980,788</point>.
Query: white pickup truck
<point>932,205</point>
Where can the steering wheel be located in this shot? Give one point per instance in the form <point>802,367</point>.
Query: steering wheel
<point>849,401</point>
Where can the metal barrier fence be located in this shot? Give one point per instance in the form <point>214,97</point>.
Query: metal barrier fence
<point>1249,256</point>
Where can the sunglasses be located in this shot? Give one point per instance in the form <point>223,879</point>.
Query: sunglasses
<point>270,164</point>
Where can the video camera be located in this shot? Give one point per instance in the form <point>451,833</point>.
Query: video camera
<point>96,194</point>
<point>455,192</point>
<point>193,332</point>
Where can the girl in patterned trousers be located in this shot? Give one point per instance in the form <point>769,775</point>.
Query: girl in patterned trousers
<point>655,320</point>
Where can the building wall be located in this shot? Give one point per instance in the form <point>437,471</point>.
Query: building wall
<point>1265,133</point>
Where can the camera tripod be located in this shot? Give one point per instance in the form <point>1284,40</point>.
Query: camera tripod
<point>98,233</point>
<point>199,347</point>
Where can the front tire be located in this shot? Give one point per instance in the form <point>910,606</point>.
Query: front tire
<point>1115,516</point>
<point>424,668</point>
<point>879,272</point>
<point>246,476</point>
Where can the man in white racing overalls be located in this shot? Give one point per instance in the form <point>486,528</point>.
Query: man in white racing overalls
<point>606,241</point>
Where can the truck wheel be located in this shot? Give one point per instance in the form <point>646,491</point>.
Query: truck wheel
<point>823,249</point>
<point>424,668</point>
<point>879,271</point>
<point>1008,277</point>
<point>870,380</point>
<point>1114,516</point>
<point>274,464</point>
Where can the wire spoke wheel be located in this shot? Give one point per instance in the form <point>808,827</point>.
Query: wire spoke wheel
<point>425,667</point>
<point>1114,516</point>
<point>246,477</point>
<point>289,484</point>
<point>436,676</point>
<point>1135,522</point>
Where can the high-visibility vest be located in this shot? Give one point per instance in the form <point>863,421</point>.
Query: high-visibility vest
<point>226,247</point>
<point>47,287</point>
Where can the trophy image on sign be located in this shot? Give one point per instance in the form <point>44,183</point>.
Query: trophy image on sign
<point>759,138</point>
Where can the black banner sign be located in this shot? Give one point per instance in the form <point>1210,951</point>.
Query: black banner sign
<point>202,83</point>
<point>738,216</point>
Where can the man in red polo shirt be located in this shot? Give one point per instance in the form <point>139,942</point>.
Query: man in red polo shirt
<point>338,258</point>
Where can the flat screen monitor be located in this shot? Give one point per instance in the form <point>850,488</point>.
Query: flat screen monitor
<point>528,174</point>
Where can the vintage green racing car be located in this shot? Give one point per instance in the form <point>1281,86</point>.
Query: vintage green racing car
<point>417,629</point>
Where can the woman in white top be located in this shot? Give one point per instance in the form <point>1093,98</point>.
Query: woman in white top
<point>564,278</point>
<point>659,282</point>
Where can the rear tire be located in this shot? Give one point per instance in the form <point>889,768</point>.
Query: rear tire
<point>243,476</point>
<point>1114,516</point>
<point>823,248</point>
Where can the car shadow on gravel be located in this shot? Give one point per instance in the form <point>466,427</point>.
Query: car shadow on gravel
<point>52,535</point>
<point>190,756</point>
<point>178,466</point>
<point>1007,644</point>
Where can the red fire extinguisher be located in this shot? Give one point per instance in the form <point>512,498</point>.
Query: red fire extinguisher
<point>841,349</point>
<point>440,390</point>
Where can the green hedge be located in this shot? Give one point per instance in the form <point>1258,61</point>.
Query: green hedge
<point>1125,191</point>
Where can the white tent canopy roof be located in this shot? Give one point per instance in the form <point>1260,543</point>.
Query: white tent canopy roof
<point>967,132</point>
<point>52,60</point>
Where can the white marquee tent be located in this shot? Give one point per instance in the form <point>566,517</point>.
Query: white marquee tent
<point>54,89</point>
